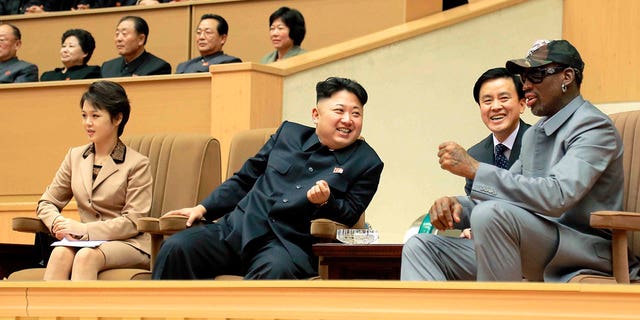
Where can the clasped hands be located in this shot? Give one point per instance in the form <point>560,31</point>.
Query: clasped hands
<point>318,194</point>
<point>68,228</point>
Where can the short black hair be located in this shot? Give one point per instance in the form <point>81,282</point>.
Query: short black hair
<point>139,24</point>
<point>223,26</point>
<point>85,39</point>
<point>294,21</point>
<point>497,73</point>
<point>109,96</point>
<point>16,31</point>
<point>326,88</point>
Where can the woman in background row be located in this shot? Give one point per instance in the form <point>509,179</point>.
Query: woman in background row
<point>111,184</point>
<point>287,30</point>
<point>77,48</point>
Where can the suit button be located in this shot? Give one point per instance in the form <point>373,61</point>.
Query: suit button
<point>310,169</point>
<point>285,200</point>
<point>298,186</point>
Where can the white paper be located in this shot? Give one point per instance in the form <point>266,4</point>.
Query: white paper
<point>79,243</point>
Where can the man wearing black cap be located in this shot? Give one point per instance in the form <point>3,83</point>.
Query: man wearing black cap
<point>532,221</point>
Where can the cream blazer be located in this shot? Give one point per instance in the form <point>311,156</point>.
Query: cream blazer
<point>111,205</point>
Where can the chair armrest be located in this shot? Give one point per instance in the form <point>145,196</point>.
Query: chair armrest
<point>149,224</point>
<point>325,228</point>
<point>172,224</point>
<point>29,224</point>
<point>619,220</point>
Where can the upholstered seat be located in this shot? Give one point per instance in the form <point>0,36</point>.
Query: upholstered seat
<point>624,224</point>
<point>185,168</point>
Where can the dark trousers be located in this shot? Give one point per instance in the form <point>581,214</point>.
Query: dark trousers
<point>203,252</point>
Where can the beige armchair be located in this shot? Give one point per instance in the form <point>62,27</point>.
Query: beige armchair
<point>185,168</point>
<point>624,224</point>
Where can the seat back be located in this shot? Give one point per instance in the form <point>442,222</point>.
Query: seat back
<point>628,124</point>
<point>245,145</point>
<point>185,168</point>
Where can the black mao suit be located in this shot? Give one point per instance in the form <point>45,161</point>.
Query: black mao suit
<point>145,65</point>
<point>484,152</point>
<point>263,230</point>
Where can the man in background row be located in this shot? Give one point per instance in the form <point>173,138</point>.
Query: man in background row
<point>131,37</point>
<point>211,35</point>
<point>11,68</point>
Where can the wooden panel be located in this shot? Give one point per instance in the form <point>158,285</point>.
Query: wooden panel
<point>41,122</point>
<point>243,96</point>
<point>605,34</point>
<point>416,9</point>
<point>41,33</point>
<point>316,300</point>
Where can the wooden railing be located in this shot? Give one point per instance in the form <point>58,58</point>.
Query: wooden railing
<point>314,300</point>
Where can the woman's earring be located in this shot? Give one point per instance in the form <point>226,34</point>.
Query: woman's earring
<point>564,87</point>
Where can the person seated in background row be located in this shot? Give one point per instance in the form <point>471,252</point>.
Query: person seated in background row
<point>132,33</point>
<point>211,35</point>
<point>13,70</point>
<point>77,48</point>
<point>499,95</point>
<point>286,30</point>
<point>9,7</point>
<point>532,221</point>
<point>264,211</point>
<point>111,184</point>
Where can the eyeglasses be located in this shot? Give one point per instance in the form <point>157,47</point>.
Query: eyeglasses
<point>538,74</point>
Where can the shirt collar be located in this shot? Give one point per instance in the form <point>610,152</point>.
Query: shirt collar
<point>509,141</point>
<point>118,154</point>
<point>553,123</point>
<point>313,144</point>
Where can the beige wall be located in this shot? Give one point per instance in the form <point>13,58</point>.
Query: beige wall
<point>405,120</point>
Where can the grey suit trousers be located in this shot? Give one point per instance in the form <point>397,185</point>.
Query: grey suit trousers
<point>508,243</point>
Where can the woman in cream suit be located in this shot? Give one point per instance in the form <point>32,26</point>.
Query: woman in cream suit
<point>111,184</point>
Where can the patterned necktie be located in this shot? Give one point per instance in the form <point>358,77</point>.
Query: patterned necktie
<point>500,160</point>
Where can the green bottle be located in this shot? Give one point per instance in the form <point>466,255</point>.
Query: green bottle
<point>426,226</point>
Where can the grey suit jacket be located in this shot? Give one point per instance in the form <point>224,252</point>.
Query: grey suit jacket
<point>201,64</point>
<point>14,70</point>
<point>271,56</point>
<point>483,151</point>
<point>570,165</point>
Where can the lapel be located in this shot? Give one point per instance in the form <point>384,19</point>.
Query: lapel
<point>488,156</point>
<point>86,170</point>
<point>515,151</point>
<point>108,168</point>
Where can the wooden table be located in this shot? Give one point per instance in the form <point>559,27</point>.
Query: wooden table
<point>364,261</point>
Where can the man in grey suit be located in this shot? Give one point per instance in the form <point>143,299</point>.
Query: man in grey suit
<point>500,98</point>
<point>13,69</point>
<point>211,35</point>
<point>532,221</point>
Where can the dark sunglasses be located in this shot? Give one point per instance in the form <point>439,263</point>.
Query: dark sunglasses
<point>538,74</point>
